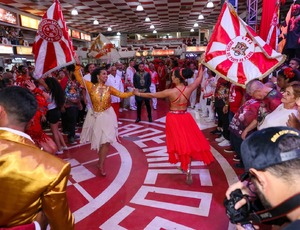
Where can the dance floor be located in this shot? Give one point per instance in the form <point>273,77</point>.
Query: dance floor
<point>142,190</point>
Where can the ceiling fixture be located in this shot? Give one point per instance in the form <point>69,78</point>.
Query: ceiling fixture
<point>139,7</point>
<point>152,27</point>
<point>210,4</point>
<point>118,33</point>
<point>147,19</point>
<point>154,31</point>
<point>74,12</point>
<point>95,22</point>
<point>196,24</point>
<point>201,17</point>
<point>192,30</point>
<point>109,29</point>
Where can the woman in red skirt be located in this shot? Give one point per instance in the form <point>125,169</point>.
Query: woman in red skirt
<point>184,139</point>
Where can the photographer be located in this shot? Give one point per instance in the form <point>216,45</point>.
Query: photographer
<point>272,163</point>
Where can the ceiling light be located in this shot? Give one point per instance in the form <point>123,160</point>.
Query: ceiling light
<point>201,17</point>
<point>147,19</point>
<point>95,22</point>
<point>210,4</point>
<point>192,30</point>
<point>118,33</point>
<point>109,29</point>
<point>139,7</point>
<point>74,12</point>
<point>152,27</point>
<point>196,24</point>
<point>154,31</point>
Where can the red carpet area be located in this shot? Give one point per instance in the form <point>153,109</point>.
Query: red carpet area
<point>142,190</point>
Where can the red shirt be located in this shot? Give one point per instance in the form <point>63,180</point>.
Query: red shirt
<point>236,94</point>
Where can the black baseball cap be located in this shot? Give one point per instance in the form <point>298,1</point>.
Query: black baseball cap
<point>261,149</point>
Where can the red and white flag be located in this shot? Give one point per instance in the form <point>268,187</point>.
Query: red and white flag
<point>273,34</point>
<point>236,52</point>
<point>101,47</point>
<point>52,47</point>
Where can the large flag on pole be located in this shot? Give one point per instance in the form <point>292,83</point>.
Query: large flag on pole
<point>273,34</point>
<point>101,47</point>
<point>236,53</point>
<point>52,47</point>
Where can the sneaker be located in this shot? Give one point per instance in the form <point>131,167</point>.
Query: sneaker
<point>64,148</point>
<point>132,108</point>
<point>120,110</point>
<point>76,137</point>
<point>236,158</point>
<point>229,150</point>
<point>124,109</point>
<point>220,139</point>
<point>224,143</point>
<point>59,152</point>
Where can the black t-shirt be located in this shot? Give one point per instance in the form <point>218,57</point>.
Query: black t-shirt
<point>293,226</point>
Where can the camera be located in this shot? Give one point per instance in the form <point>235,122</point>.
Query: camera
<point>240,215</point>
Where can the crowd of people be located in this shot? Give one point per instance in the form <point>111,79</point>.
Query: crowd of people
<point>93,96</point>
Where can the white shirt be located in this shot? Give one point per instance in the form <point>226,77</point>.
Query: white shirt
<point>89,105</point>
<point>278,117</point>
<point>20,133</point>
<point>116,82</point>
<point>130,71</point>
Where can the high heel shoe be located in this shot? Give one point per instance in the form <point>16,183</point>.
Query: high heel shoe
<point>189,177</point>
<point>102,171</point>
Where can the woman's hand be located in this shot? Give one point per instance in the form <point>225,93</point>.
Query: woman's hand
<point>136,92</point>
<point>293,121</point>
<point>30,85</point>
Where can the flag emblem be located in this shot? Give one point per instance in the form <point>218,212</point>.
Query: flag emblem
<point>239,49</point>
<point>49,30</point>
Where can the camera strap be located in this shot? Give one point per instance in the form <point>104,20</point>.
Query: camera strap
<point>279,211</point>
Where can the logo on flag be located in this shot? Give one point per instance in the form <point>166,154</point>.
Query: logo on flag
<point>236,52</point>
<point>52,46</point>
<point>49,30</point>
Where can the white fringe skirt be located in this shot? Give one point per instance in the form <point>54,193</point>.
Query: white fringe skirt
<point>99,128</point>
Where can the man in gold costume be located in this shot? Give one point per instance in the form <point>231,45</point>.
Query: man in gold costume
<point>33,182</point>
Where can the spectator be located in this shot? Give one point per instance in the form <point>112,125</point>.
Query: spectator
<point>286,76</point>
<point>294,63</point>
<point>272,162</point>
<point>279,116</point>
<point>142,82</point>
<point>270,98</point>
<point>33,182</point>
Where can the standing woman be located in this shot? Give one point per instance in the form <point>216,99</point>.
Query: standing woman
<point>184,139</point>
<point>56,104</point>
<point>34,127</point>
<point>100,126</point>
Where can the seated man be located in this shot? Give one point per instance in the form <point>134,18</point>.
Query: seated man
<point>33,182</point>
<point>272,162</point>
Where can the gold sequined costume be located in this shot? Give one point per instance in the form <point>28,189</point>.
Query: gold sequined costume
<point>31,180</point>
<point>100,125</point>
